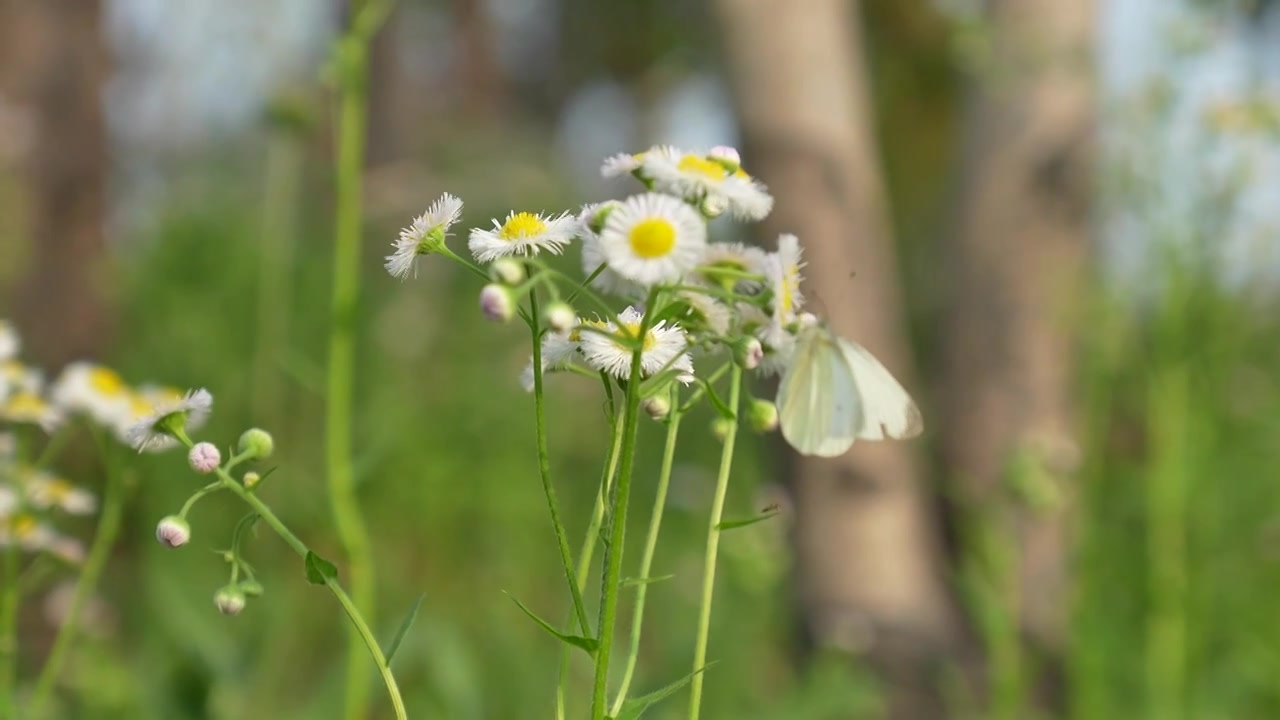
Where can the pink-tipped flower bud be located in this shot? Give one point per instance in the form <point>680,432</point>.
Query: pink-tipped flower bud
<point>496,303</point>
<point>750,353</point>
<point>762,416</point>
<point>560,317</point>
<point>229,601</point>
<point>204,458</point>
<point>173,531</point>
<point>726,156</point>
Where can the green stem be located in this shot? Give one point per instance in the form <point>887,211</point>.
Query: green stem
<point>713,547</point>
<point>612,580</point>
<point>353,613</point>
<point>650,545</point>
<point>350,524</point>
<point>9,628</point>
<point>544,470</point>
<point>113,500</point>
<point>589,547</point>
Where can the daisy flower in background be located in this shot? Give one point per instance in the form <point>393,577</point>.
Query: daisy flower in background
<point>28,407</point>
<point>737,259</point>
<point>665,347</point>
<point>156,430</point>
<point>44,491</point>
<point>10,343</point>
<point>558,351</point>
<point>92,390</point>
<point>652,239</point>
<point>591,221</point>
<point>426,235</point>
<point>630,164</point>
<point>25,531</point>
<point>783,274</point>
<point>712,181</point>
<point>709,312</point>
<point>523,234</point>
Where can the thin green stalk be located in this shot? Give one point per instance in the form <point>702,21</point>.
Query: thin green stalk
<point>650,545</point>
<point>544,470</point>
<point>611,581</point>
<point>9,630</point>
<point>275,277</point>
<point>1166,646</point>
<point>345,504</point>
<point>713,548</point>
<point>589,547</point>
<point>113,500</point>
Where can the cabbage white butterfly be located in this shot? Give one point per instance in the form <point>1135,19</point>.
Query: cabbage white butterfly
<point>834,391</point>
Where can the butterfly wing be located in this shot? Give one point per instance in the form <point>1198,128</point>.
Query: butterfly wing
<point>818,403</point>
<point>887,409</point>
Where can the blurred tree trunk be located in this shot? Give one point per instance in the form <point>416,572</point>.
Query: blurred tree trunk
<point>52,64</point>
<point>1014,258</point>
<point>868,561</point>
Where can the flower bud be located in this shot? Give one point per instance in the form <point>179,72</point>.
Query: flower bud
<point>657,406</point>
<point>251,588</point>
<point>560,317</point>
<point>506,271</point>
<point>806,320</point>
<point>173,531</point>
<point>762,416</point>
<point>496,303</point>
<point>257,444</point>
<point>749,353</point>
<point>229,601</point>
<point>251,480</point>
<point>204,457</point>
<point>721,427</point>
<point>726,156</point>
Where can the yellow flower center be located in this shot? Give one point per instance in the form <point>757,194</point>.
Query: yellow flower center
<point>106,381</point>
<point>652,238</point>
<point>25,405</point>
<point>632,329</point>
<point>709,169</point>
<point>24,526</point>
<point>58,490</point>
<point>522,225</point>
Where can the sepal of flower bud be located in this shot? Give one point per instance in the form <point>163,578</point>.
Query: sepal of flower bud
<point>173,531</point>
<point>229,600</point>
<point>507,271</point>
<point>204,457</point>
<point>257,444</point>
<point>762,416</point>
<point>496,303</point>
<point>251,588</point>
<point>560,317</point>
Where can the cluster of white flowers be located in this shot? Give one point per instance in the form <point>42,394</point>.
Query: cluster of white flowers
<point>726,294</point>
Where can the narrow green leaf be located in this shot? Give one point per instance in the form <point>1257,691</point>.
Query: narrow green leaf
<point>319,570</point>
<point>734,524</point>
<point>716,401</point>
<point>632,708</point>
<point>405,624</point>
<point>587,644</point>
<point>636,582</point>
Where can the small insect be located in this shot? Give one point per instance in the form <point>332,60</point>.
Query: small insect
<point>835,391</point>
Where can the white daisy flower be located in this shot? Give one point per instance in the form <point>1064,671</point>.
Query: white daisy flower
<point>628,163</point>
<point>665,348</point>
<point>92,390</point>
<point>10,343</point>
<point>711,182</point>
<point>426,235</point>
<point>736,258</point>
<point>44,491</point>
<point>14,376</point>
<point>66,549</point>
<point>28,407</point>
<point>558,351</point>
<point>714,314</point>
<point>143,402</point>
<point>523,233</point>
<point>154,431</point>
<point>783,274</point>
<point>652,239</point>
<point>26,532</point>
<point>8,501</point>
<point>606,280</point>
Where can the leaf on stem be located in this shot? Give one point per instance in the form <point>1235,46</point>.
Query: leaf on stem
<point>587,644</point>
<point>636,582</point>
<point>404,629</point>
<point>632,708</point>
<point>319,570</point>
<point>734,524</point>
